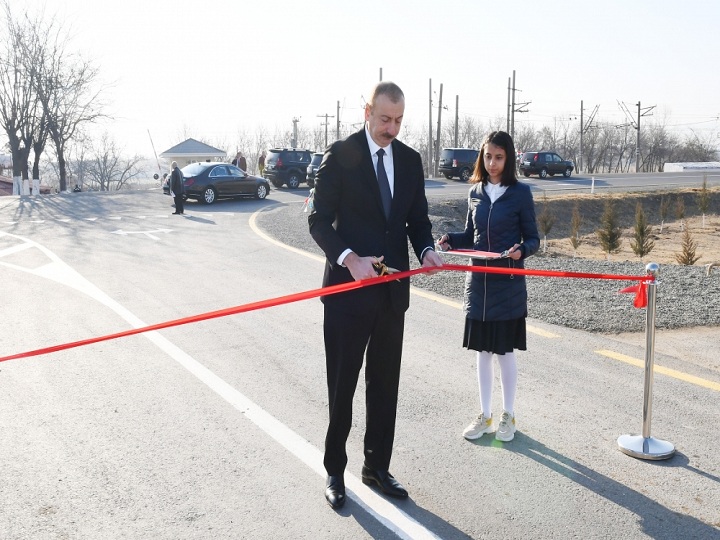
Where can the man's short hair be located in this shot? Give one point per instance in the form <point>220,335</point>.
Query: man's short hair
<point>387,88</point>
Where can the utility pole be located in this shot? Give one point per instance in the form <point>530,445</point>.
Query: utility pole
<point>636,124</point>
<point>380,74</point>
<point>507,129</point>
<point>430,145</point>
<point>512,112</point>
<point>294,141</point>
<point>584,128</point>
<point>337,120</point>
<point>325,116</point>
<point>457,118</point>
<point>437,141</point>
<point>637,144</point>
<point>516,107</point>
<point>582,111</point>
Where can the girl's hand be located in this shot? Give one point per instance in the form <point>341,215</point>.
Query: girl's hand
<point>515,253</point>
<point>443,243</point>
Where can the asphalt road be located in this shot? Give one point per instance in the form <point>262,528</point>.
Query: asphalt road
<point>215,429</point>
<point>598,183</point>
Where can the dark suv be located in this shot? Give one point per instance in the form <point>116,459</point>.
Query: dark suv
<point>457,162</point>
<point>312,168</point>
<point>286,166</point>
<point>545,164</point>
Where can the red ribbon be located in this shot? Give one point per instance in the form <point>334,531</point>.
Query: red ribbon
<point>640,290</point>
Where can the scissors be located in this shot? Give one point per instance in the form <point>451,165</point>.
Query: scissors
<point>383,270</point>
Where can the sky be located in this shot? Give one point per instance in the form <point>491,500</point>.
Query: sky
<point>220,70</point>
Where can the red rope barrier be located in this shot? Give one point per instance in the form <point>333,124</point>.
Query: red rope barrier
<point>335,289</point>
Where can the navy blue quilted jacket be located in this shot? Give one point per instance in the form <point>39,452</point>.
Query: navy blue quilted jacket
<point>496,227</point>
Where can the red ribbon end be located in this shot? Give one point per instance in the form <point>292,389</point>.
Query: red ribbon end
<point>640,291</point>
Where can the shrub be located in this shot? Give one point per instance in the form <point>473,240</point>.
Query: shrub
<point>664,209</point>
<point>546,220</point>
<point>609,232</point>
<point>687,255</point>
<point>641,243</point>
<point>575,223</point>
<point>704,199</point>
<point>680,210</point>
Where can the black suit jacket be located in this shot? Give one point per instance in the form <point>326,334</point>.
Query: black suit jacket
<point>177,182</point>
<point>348,213</point>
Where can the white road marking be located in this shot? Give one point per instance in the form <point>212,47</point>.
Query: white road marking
<point>387,513</point>
<point>149,234</point>
<point>14,249</point>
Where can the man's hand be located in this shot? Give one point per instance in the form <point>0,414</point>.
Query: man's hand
<point>361,267</point>
<point>431,259</point>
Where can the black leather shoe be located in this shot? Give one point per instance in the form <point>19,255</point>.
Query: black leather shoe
<point>335,491</point>
<point>385,481</point>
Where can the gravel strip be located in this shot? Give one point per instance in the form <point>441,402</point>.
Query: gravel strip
<point>686,297</point>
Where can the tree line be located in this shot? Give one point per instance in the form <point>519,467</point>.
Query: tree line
<point>49,95</point>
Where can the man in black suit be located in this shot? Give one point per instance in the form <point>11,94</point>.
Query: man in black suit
<point>177,188</point>
<point>369,199</point>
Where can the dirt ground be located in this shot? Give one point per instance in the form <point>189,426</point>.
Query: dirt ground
<point>667,237</point>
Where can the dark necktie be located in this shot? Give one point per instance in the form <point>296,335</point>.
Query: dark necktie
<point>382,177</point>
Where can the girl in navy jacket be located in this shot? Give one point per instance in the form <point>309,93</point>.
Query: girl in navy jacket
<point>500,218</point>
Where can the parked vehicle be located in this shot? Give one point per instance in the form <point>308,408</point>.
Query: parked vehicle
<point>457,163</point>
<point>545,164</point>
<point>287,166</point>
<point>312,168</point>
<point>209,181</point>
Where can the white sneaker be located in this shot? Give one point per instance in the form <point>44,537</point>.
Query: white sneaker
<point>482,424</point>
<point>506,428</point>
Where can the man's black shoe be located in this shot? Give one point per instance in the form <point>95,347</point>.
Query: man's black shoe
<point>385,481</point>
<point>335,491</point>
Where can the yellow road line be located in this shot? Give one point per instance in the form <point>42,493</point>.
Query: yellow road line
<point>692,379</point>
<point>414,290</point>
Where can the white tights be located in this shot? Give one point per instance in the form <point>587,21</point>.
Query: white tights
<point>486,377</point>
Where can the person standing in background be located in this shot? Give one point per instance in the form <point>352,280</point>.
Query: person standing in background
<point>261,163</point>
<point>177,188</point>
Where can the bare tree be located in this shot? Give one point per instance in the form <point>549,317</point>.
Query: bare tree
<point>107,170</point>
<point>18,111</point>
<point>66,86</point>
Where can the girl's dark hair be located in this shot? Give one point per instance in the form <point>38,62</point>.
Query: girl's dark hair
<point>504,141</point>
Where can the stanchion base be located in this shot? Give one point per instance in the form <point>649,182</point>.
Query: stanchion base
<point>645,447</point>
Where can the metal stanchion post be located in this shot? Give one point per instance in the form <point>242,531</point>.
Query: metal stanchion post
<point>644,446</point>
